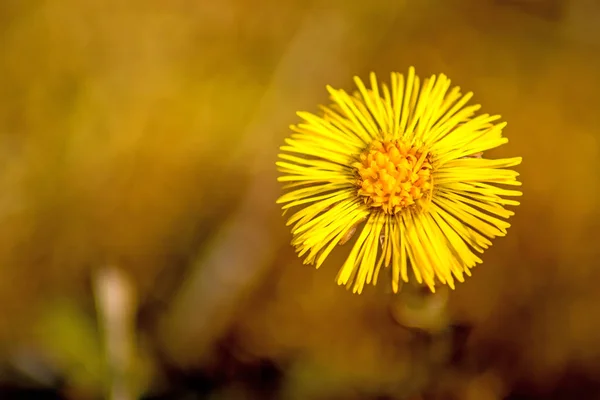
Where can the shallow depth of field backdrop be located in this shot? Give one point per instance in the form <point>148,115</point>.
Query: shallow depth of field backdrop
<point>142,136</point>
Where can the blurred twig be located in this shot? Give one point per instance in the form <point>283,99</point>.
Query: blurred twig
<point>116,312</point>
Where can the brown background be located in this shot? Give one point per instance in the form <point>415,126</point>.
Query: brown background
<point>144,134</point>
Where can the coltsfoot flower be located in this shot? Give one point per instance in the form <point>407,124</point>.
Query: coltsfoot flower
<point>401,168</point>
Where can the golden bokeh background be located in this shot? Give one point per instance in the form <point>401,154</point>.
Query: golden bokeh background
<point>142,135</point>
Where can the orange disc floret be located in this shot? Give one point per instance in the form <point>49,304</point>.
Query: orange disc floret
<point>393,175</point>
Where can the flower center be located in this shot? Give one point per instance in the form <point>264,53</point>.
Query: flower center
<point>393,175</point>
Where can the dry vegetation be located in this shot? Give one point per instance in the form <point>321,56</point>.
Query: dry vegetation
<point>143,134</point>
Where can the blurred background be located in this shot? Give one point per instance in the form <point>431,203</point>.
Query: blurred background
<point>142,254</point>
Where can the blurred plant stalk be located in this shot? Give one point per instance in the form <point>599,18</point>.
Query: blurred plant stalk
<point>416,307</point>
<point>115,303</point>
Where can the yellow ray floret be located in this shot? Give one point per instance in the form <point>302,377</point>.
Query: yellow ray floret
<point>400,167</point>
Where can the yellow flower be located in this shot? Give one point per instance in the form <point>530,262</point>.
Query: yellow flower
<point>403,164</point>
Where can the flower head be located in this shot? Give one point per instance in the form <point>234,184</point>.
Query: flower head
<point>402,165</point>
